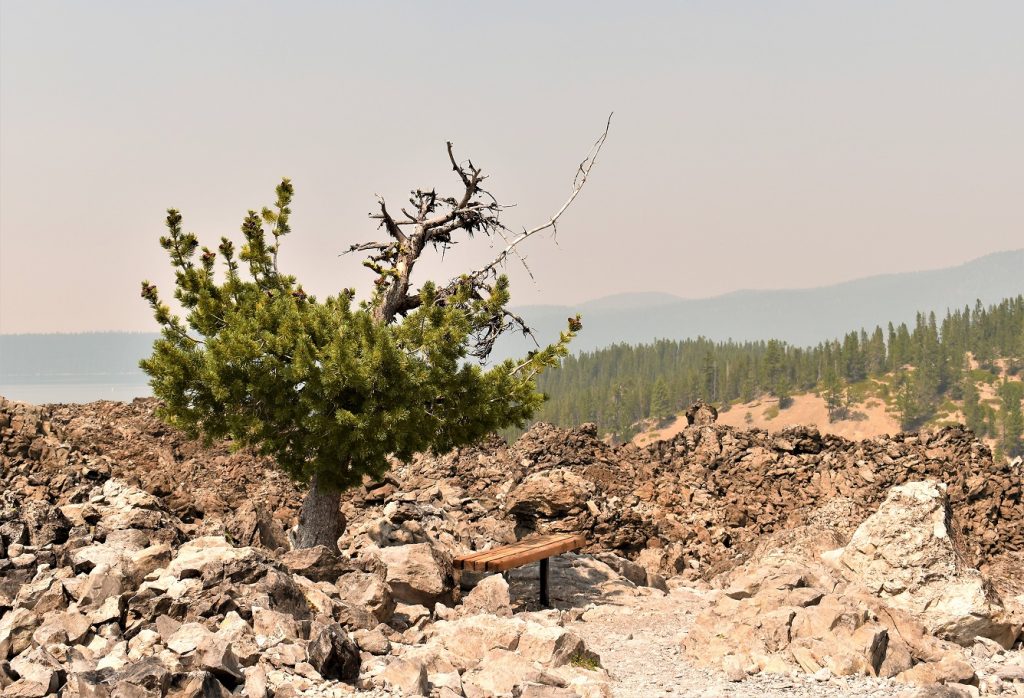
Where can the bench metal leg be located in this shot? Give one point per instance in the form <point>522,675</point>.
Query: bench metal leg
<point>544,601</point>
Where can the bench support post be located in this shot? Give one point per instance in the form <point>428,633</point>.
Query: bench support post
<point>544,601</point>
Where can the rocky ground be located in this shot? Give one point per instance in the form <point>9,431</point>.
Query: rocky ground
<point>135,562</point>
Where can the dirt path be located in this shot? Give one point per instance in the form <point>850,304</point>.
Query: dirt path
<point>639,641</point>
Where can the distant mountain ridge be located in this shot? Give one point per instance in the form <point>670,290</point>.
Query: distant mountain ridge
<point>800,317</point>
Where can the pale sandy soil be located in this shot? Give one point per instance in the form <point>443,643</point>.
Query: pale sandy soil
<point>871,420</point>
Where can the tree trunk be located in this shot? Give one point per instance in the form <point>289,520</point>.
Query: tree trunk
<point>320,519</point>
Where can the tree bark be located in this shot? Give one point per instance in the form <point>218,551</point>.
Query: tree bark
<point>320,519</point>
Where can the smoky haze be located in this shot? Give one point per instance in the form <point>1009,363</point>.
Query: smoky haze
<point>754,145</point>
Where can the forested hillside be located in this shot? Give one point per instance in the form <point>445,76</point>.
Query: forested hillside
<point>917,369</point>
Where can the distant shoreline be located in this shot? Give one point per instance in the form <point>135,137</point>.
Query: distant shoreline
<point>77,393</point>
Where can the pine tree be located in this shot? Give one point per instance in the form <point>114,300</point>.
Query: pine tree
<point>332,388</point>
<point>833,393</point>
<point>784,391</point>
<point>1012,393</point>
<point>908,404</point>
<point>661,403</point>
<point>974,415</point>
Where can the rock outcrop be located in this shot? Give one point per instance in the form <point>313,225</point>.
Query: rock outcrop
<point>907,555</point>
<point>897,601</point>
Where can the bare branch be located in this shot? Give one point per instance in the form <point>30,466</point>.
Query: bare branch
<point>388,222</point>
<point>433,220</point>
<point>367,246</point>
<point>582,173</point>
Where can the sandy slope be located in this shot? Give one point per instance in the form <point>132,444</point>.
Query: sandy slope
<point>870,419</point>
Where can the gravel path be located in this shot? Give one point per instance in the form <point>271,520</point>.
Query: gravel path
<point>638,640</point>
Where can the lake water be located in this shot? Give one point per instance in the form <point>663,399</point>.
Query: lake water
<point>42,393</point>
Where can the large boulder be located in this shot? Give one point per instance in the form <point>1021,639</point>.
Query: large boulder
<point>319,563</point>
<point>550,494</point>
<point>212,555</point>
<point>906,554</point>
<point>419,574</point>
<point>333,653</point>
<point>490,595</point>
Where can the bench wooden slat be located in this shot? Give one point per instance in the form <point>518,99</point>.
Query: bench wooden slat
<point>521,553</point>
<point>521,545</point>
<point>494,556</point>
<point>519,558</point>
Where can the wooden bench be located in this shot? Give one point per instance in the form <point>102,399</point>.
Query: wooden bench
<point>522,553</point>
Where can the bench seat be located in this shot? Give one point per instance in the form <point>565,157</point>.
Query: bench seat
<point>506,557</point>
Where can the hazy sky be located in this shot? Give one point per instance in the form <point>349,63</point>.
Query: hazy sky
<point>755,144</point>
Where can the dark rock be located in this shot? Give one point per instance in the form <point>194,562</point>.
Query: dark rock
<point>333,653</point>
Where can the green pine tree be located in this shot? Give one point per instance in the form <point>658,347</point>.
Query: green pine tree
<point>834,401</point>
<point>974,415</point>
<point>1012,393</point>
<point>333,388</point>
<point>661,400</point>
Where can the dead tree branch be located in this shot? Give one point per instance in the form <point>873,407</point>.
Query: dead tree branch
<point>436,220</point>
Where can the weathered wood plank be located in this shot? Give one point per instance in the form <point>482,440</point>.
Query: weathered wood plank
<point>492,552</point>
<point>519,554</point>
<point>479,561</point>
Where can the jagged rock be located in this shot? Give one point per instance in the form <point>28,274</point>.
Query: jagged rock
<point>368,591</point>
<point>906,554</point>
<point>782,611</point>
<point>319,563</point>
<point>64,628</point>
<point>549,494</point>
<point>632,571</point>
<point>552,646</point>
<point>372,641</point>
<point>241,637</point>
<point>45,524</point>
<point>101,584</point>
<point>197,684</point>
<point>148,674</point>
<point>419,573</point>
<point>446,684</point>
<point>407,676</point>
<point>945,671</point>
<point>214,655</point>
<point>333,653</point>
<point>697,504</point>
<point>272,627</point>
<point>469,639</point>
<point>490,595</point>
<point>211,555</point>
<point>16,628</point>
<point>37,667</point>
<point>701,414</point>
<point>23,688</point>
<point>143,562</point>
<point>500,671</point>
<point>256,682</point>
<point>188,637</point>
<point>42,595</point>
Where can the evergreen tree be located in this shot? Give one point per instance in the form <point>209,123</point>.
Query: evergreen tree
<point>907,404</point>
<point>833,394</point>
<point>332,388</point>
<point>784,391</point>
<point>974,415</point>
<point>710,375</point>
<point>661,404</point>
<point>1012,393</point>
